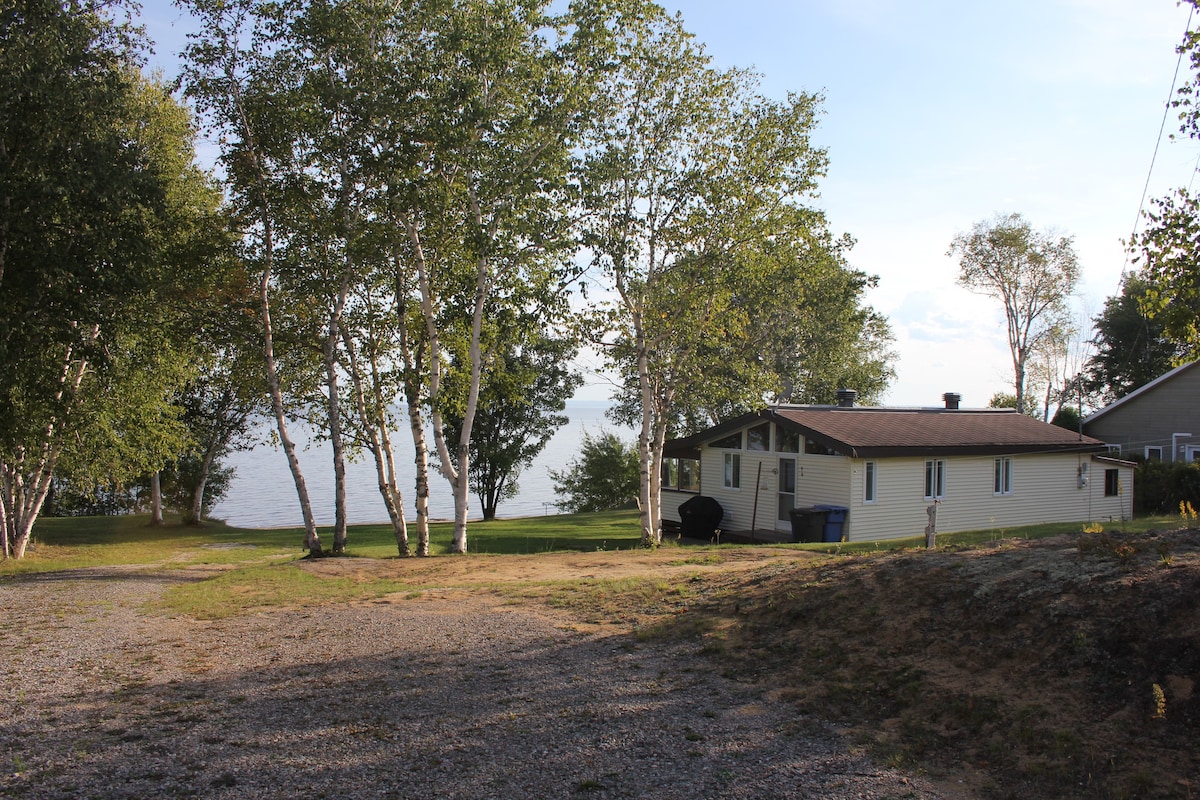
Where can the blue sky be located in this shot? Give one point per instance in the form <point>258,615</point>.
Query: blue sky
<point>939,114</point>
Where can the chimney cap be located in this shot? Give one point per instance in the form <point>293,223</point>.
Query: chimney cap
<point>846,397</point>
<point>952,399</point>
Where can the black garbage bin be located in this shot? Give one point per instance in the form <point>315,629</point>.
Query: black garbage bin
<point>699,517</point>
<point>835,523</point>
<point>807,524</point>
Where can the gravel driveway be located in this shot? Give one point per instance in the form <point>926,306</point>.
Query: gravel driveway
<point>448,695</point>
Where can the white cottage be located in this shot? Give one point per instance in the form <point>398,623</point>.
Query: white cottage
<point>982,468</point>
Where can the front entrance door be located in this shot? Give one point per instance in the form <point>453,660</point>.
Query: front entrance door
<point>787,492</point>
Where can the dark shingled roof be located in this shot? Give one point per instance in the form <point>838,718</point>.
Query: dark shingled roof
<point>862,432</point>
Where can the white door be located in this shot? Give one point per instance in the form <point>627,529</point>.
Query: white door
<point>787,492</point>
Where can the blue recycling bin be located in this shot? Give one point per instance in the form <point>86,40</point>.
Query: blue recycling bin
<point>835,523</point>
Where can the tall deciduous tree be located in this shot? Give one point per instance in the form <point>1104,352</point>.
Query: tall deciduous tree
<point>225,398</point>
<point>509,88</point>
<point>1031,272</point>
<point>689,184</point>
<point>232,75</point>
<point>99,199</point>
<point>1132,347</point>
<point>524,393</point>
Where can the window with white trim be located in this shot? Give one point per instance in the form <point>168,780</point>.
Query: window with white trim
<point>935,479</point>
<point>1002,476</point>
<point>733,471</point>
<point>1154,454</point>
<point>870,478</point>
<point>1112,482</point>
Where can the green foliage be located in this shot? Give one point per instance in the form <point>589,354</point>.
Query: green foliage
<point>603,476</point>
<point>186,476</point>
<point>1132,347</point>
<point>1167,247</point>
<point>1160,486</point>
<point>106,226</point>
<point>1067,417</point>
<point>521,401</point>
<point>1008,400</point>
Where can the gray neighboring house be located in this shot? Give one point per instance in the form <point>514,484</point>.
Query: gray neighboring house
<point>985,469</point>
<point>1160,421</point>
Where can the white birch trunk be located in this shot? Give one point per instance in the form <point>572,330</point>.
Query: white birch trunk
<point>196,514</point>
<point>421,461</point>
<point>379,441</point>
<point>334,413</point>
<point>25,497</point>
<point>449,467</point>
<point>312,540</point>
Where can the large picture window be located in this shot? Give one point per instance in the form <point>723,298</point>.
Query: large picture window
<point>733,471</point>
<point>759,437</point>
<point>731,442</point>
<point>786,441</point>
<point>935,479</point>
<point>1002,478</point>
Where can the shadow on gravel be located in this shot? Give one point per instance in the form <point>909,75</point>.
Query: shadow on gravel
<point>124,574</point>
<point>422,700</point>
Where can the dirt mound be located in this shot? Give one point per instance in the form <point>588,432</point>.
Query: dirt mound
<point>1065,667</point>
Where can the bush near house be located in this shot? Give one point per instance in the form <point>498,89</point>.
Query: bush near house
<point>1160,486</point>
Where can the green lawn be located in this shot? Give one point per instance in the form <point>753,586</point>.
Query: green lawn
<point>265,564</point>
<point>70,542</point>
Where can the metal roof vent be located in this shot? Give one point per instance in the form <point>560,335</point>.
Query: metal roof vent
<point>952,400</point>
<point>845,398</point>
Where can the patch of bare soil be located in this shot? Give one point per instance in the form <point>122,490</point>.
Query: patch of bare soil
<point>1065,667</point>
<point>1058,668</point>
<point>499,571</point>
<point>450,691</point>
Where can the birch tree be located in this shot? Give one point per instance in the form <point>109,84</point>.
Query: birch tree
<point>509,89</point>
<point>99,199</point>
<point>231,76</point>
<point>686,184</point>
<point>1032,273</point>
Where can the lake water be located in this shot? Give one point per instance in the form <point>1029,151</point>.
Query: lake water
<point>263,495</point>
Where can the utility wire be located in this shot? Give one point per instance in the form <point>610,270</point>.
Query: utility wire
<point>1162,126</point>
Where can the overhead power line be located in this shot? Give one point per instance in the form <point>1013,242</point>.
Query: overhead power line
<point>1162,126</point>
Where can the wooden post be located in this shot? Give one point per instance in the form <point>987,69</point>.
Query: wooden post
<point>754,513</point>
<point>931,528</point>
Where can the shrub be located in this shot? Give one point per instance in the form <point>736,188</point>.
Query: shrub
<point>1159,486</point>
<point>603,477</point>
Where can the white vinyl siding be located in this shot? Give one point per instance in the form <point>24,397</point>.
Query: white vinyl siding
<point>821,480</point>
<point>1048,486</point>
